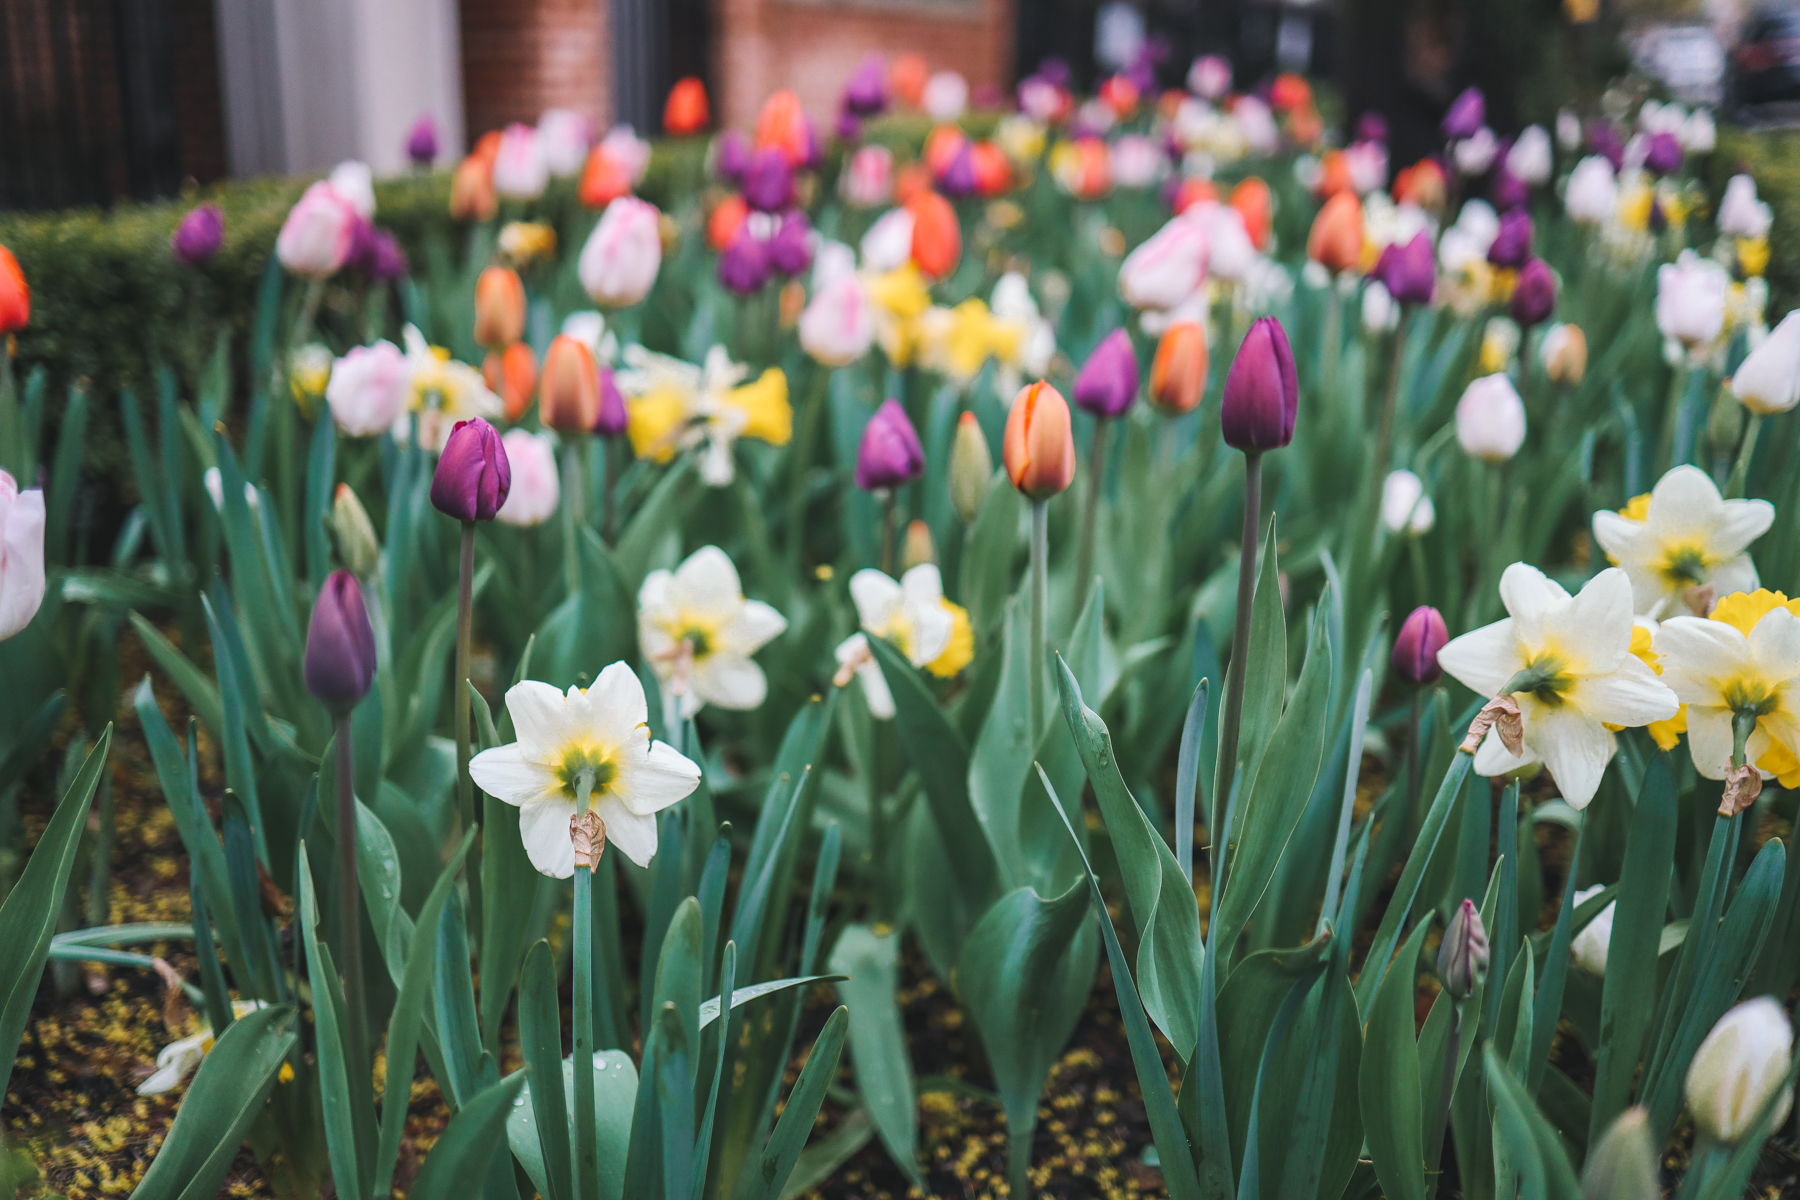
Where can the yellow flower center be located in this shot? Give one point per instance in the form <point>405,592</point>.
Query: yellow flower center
<point>1684,563</point>
<point>700,635</point>
<point>587,755</point>
<point>1743,610</point>
<point>1545,678</point>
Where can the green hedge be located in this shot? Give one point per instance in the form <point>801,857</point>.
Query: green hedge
<point>1773,157</point>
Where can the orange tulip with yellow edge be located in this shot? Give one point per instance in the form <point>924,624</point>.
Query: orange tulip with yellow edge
<point>1178,372</point>
<point>499,308</point>
<point>569,393</point>
<point>1337,233</point>
<point>1039,447</point>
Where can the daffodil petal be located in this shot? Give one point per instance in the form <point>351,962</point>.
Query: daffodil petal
<point>1629,696</point>
<point>706,585</point>
<point>1710,740</point>
<point>617,708</point>
<point>1576,749</point>
<point>876,693</point>
<point>1493,758</point>
<point>1734,575</point>
<point>544,828</point>
<point>1532,598</point>
<point>1697,654</point>
<point>1483,659</point>
<point>632,834</point>
<point>730,681</point>
<point>504,773</point>
<point>877,597</point>
<point>1598,620</point>
<point>537,711</point>
<point>1775,645</point>
<point>655,778</point>
<point>751,628</point>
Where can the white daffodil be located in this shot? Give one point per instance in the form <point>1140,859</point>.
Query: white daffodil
<point>698,633</point>
<point>444,392</point>
<point>912,614</point>
<point>1590,945</point>
<point>676,406</point>
<point>1742,661</point>
<point>179,1059</point>
<point>1681,539</point>
<point>1566,660</point>
<point>597,737</point>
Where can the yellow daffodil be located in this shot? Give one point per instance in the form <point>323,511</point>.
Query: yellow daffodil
<point>900,299</point>
<point>1681,539</point>
<point>444,392</point>
<point>1738,673</point>
<point>521,242</point>
<point>698,632</point>
<point>1664,733</point>
<point>1753,255</point>
<point>675,406</point>
<point>912,615</point>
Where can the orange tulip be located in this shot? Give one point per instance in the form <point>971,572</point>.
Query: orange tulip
<point>1421,184</point>
<point>941,146</point>
<point>937,235</point>
<point>1306,126</point>
<point>487,147</point>
<point>782,125</point>
<point>1192,192</point>
<point>1336,238</point>
<point>1334,175</point>
<point>15,295</point>
<point>910,180</point>
<point>1169,102</point>
<point>1121,95</point>
<point>728,216</point>
<point>1039,449</point>
<point>686,112</point>
<point>499,308</point>
<point>1290,93</point>
<point>603,180</point>
<point>472,195</point>
<point>1178,373</point>
<point>569,400</point>
<point>1254,203</point>
<point>907,79</point>
<point>993,170</point>
<point>511,374</point>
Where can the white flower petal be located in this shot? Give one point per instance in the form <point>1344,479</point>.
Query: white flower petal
<point>1597,621</point>
<point>1630,696</point>
<point>1530,597</point>
<point>730,681</point>
<point>617,709</point>
<point>1484,659</point>
<point>1741,522</point>
<point>544,828</point>
<point>1775,644</point>
<point>751,628</point>
<point>1685,503</point>
<point>504,773</point>
<point>1575,747</point>
<point>1709,740</point>
<point>875,691</point>
<point>628,832</point>
<point>1493,758</point>
<point>707,585</point>
<point>653,595</point>
<point>877,596</point>
<point>539,715</point>
<point>655,778</point>
<point>1697,654</point>
<point>1734,575</point>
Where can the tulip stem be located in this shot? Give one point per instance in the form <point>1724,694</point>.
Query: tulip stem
<point>889,499</point>
<point>1390,403</point>
<point>1040,570</point>
<point>1740,470</point>
<point>349,889</point>
<point>1240,639</point>
<point>571,487</point>
<point>1334,336</point>
<point>586,1165</point>
<point>1434,1153</point>
<point>465,624</point>
<point>1413,782</point>
<point>1084,557</point>
<point>609,497</point>
<point>806,437</point>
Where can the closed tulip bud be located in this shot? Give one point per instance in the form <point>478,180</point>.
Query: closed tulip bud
<point>784,125</point>
<point>971,468</point>
<point>1108,382</point>
<point>15,294</point>
<point>383,258</point>
<point>199,235</point>
<point>1590,946</point>
<point>1335,242</point>
<point>472,476</point>
<point>422,142</point>
<point>744,267</point>
<point>1663,155</point>
<point>1409,270</point>
<point>563,139</point>
<point>1592,192</point>
<point>315,239</point>
<point>1565,354</point>
<point>619,263</point>
<point>1690,299</point>
<point>499,308</point>
<point>536,487</point>
<point>604,179</point>
<point>1039,449</point>
<point>368,389</point>
<point>1512,244</point>
<point>686,112</point>
<point>511,374</point>
<point>1178,372</point>
<point>946,96</point>
<point>1463,954</point>
<point>569,400</point>
<point>1623,1165</point>
<point>1417,644</point>
<point>868,178</point>
<point>889,453</point>
<point>472,195</point>
<point>918,547</point>
<point>838,325</point>
<point>1467,113</point>
<point>908,76</point>
<point>520,169</point>
<point>1405,508</point>
<point>791,249</point>
<point>730,154</point>
<point>936,234</point>
<point>1262,392</point>
<point>1768,380</point>
<point>340,645</point>
<point>1740,1066</point>
<point>614,415</point>
<point>1256,205</point>
<point>727,218</point>
<point>1490,419</point>
<point>769,181</point>
<point>1168,267</point>
<point>993,170</point>
<point>357,544</point>
<point>1534,295</point>
<point>866,92</point>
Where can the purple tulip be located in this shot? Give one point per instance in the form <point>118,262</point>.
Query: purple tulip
<point>1664,154</point>
<point>790,250</point>
<point>383,258</point>
<point>1055,71</point>
<point>768,181</point>
<point>866,92</point>
<point>957,179</point>
<point>473,474</point>
<point>1512,245</point>
<point>1371,127</point>
<point>744,267</point>
<point>1409,270</point>
<point>1605,141</point>
<point>731,154</point>
<point>1416,647</point>
<point>422,142</point>
<point>1108,382</point>
<point>339,665</point>
<point>1509,190</point>
<point>613,416</point>
<point>1262,392</point>
<point>849,126</point>
<point>814,158</point>
<point>889,453</point>
<point>199,235</point>
<point>1534,295</point>
<point>1468,112</point>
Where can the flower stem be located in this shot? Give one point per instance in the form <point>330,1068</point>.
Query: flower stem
<point>586,1173</point>
<point>1413,782</point>
<point>609,498</point>
<point>800,465</point>
<point>889,498</point>
<point>1390,403</point>
<point>1672,414</point>
<point>1334,336</point>
<point>571,503</point>
<point>1232,716</point>
<point>1040,569</point>
<point>465,624</point>
<point>1434,1152</point>
<point>1084,555</point>
<point>1740,470</point>
<point>349,890</point>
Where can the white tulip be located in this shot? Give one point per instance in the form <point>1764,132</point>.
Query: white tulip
<point>1690,299</point>
<point>1379,312</point>
<point>356,184</point>
<point>563,138</point>
<point>1137,161</point>
<point>1568,130</point>
<point>619,263</point>
<point>1589,947</point>
<point>21,554</point>
<point>1741,214</point>
<point>1739,1066</point>
<point>520,171</point>
<point>1698,134</point>
<point>1475,153</point>
<point>1592,192</point>
<point>1530,157</point>
<point>369,389</point>
<point>1490,419</point>
<point>1405,508</point>
<point>1479,220</point>
<point>837,325</point>
<point>1768,380</point>
<point>536,488</point>
<point>1166,269</point>
<point>1230,254</point>
<point>623,146</point>
<point>946,96</point>
<point>698,632</point>
<point>888,243</point>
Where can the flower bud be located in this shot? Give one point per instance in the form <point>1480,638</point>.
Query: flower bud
<point>1592,193</point>
<point>1417,644</point>
<point>199,235</point>
<point>1565,354</point>
<point>22,518</point>
<point>1262,392</point>
<point>357,544</point>
<point>1254,202</point>
<point>339,665</point>
<point>1724,422</point>
<point>971,468</point>
<point>15,294</point>
<point>422,142</point>
<point>1039,449</point>
<point>1623,1165</point>
<point>614,415</point>
<point>791,249</point>
<point>1467,113</point>
<point>1739,1066</point>
<point>619,263</point>
<point>472,196</point>
<point>1405,508</point>
<point>744,267</point>
<point>868,178</point>
<point>838,325</point>
<point>499,308</point>
<point>936,235</point>
<point>730,154</point>
<point>1463,954</point>
<point>919,547</point>
<point>1768,380</point>
<point>520,169</point>
<point>1335,241</point>
<point>889,453</point>
<point>315,239</point>
<point>768,181</point>
<point>472,476</point>
<point>1490,419</point>
<point>1168,267</point>
<point>1178,372</point>
<point>604,178</point>
<point>1512,243</point>
<point>1108,382</point>
<point>511,374</point>
<point>1589,947</point>
<point>1534,295</point>
<point>368,389</point>
<point>569,399</point>
<point>1663,155</point>
<point>686,112</point>
<point>536,486</point>
<point>1409,270</point>
<point>866,92</point>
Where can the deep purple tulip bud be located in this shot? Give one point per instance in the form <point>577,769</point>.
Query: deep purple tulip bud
<point>744,267</point>
<point>1416,647</point>
<point>1409,270</point>
<point>1659,219</point>
<point>613,416</point>
<point>340,645</point>
<point>866,93</point>
<point>1663,155</point>
<point>791,250</point>
<point>422,142</point>
<point>1534,295</point>
<point>1262,393</point>
<point>1108,382</point>
<point>1605,141</point>
<point>1509,190</point>
<point>473,474</point>
<point>1512,245</point>
<point>849,126</point>
<point>1054,70</point>
<point>768,181</point>
<point>1371,127</point>
<point>362,241</point>
<point>1463,954</point>
<point>889,454</point>
<point>384,259</point>
<point>731,154</point>
<point>957,179</point>
<point>199,235</point>
<point>1468,112</point>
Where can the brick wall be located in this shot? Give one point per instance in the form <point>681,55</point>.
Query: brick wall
<point>520,57</point>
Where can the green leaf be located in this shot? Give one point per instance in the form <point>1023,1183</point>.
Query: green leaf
<point>1265,674</point>
<point>1001,760</point>
<point>615,1095</point>
<point>709,1009</point>
<point>870,964</point>
<point>466,1147</point>
<point>662,510</point>
<point>334,1065</point>
<point>1532,1146</point>
<point>540,1037</point>
<point>821,1160</point>
<point>989,553</point>
<point>508,893</point>
<point>195,687</point>
<point>226,1096</point>
<point>675,1102</point>
<point>1547,1006</point>
<point>782,1150</point>
<point>1389,1087</point>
